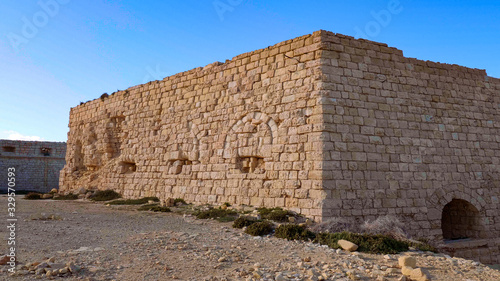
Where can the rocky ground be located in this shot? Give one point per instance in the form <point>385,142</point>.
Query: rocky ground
<point>81,240</point>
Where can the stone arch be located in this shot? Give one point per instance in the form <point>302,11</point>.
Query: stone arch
<point>442,196</point>
<point>446,201</point>
<point>460,220</point>
<point>256,118</point>
<point>249,141</point>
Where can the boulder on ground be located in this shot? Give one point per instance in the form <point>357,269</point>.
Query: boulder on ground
<point>347,245</point>
<point>407,261</point>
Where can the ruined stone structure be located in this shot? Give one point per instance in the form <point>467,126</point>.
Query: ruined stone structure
<point>323,124</point>
<point>37,164</point>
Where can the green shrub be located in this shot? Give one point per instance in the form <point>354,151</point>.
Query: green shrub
<point>70,196</point>
<point>154,208</point>
<point>259,228</point>
<point>226,219</point>
<point>215,214</point>
<point>275,214</point>
<point>134,201</point>
<point>179,200</point>
<point>375,244</point>
<point>105,195</point>
<point>294,232</point>
<point>33,196</point>
<point>424,246</point>
<point>244,221</point>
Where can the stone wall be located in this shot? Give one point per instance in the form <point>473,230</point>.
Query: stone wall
<point>245,132</point>
<point>324,124</point>
<point>406,137</point>
<point>37,164</point>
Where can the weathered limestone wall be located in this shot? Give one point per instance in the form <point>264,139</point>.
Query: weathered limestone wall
<point>324,124</point>
<point>406,137</point>
<point>245,132</point>
<point>37,164</point>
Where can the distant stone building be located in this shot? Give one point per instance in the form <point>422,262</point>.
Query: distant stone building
<point>323,124</point>
<point>37,164</point>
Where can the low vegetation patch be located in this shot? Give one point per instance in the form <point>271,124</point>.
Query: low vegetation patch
<point>294,232</point>
<point>260,228</point>
<point>179,200</point>
<point>375,244</point>
<point>424,246</point>
<point>70,196</point>
<point>33,196</point>
<point>218,214</point>
<point>134,201</point>
<point>154,208</point>
<point>244,221</point>
<point>105,195</point>
<point>275,214</point>
<point>336,224</point>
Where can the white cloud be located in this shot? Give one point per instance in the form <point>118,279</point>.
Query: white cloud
<point>13,135</point>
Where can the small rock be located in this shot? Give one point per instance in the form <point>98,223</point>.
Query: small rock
<point>22,272</point>
<point>306,259</point>
<point>280,277</point>
<point>47,196</point>
<point>222,259</point>
<point>403,278</point>
<point>40,271</point>
<point>352,276</point>
<point>347,245</point>
<point>419,275</point>
<point>81,190</point>
<point>406,270</point>
<point>63,270</point>
<point>407,261</point>
<point>4,260</point>
<point>73,268</point>
<point>53,190</point>
<point>392,270</point>
<point>387,257</point>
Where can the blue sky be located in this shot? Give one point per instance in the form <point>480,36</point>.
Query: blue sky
<point>56,53</point>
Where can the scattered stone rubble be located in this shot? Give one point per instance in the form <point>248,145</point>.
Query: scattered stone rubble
<point>185,248</point>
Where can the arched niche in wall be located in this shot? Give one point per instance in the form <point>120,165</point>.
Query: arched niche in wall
<point>460,220</point>
<point>249,142</point>
<point>457,204</point>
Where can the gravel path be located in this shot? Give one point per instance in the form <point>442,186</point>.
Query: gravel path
<point>120,243</point>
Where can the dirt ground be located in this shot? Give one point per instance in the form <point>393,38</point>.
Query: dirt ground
<point>121,243</point>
